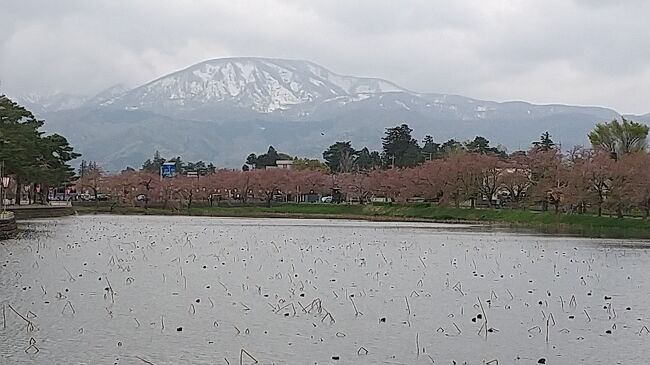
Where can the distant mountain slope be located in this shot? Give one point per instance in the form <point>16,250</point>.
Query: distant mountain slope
<point>253,84</point>
<point>49,102</point>
<point>107,94</point>
<point>645,118</point>
<point>221,110</point>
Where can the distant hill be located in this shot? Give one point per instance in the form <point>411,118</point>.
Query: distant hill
<point>221,110</point>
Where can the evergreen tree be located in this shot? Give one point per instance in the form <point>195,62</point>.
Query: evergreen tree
<point>340,157</point>
<point>481,145</point>
<point>430,149</point>
<point>450,147</point>
<point>251,160</point>
<point>82,168</point>
<point>545,143</point>
<point>31,157</point>
<point>154,165</point>
<point>367,160</point>
<point>268,159</point>
<point>157,161</point>
<point>400,149</point>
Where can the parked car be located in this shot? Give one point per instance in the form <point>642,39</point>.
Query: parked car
<point>327,199</point>
<point>62,197</point>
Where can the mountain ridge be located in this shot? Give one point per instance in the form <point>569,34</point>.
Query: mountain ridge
<point>222,109</point>
<point>262,85</point>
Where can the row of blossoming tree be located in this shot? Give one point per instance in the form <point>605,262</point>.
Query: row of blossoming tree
<point>607,178</point>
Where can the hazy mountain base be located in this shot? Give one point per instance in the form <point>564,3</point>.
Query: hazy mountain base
<point>116,139</point>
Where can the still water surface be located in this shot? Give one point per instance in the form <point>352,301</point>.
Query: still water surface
<point>183,290</point>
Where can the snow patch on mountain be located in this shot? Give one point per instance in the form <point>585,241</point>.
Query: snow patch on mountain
<point>49,101</point>
<point>258,84</point>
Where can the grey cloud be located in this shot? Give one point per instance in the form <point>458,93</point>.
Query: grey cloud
<point>580,51</point>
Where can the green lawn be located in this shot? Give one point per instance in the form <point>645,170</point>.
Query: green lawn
<point>547,222</point>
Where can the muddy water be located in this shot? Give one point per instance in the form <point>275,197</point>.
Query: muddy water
<point>179,290</point>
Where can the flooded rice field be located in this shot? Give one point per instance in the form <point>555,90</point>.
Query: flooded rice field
<point>183,290</point>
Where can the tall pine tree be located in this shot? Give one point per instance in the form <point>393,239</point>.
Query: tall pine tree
<point>400,149</point>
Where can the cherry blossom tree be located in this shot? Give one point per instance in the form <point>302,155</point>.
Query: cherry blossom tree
<point>515,178</point>
<point>269,183</point>
<point>548,176</point>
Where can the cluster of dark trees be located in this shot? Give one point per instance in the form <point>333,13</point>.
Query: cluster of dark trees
<point>400,149</point>
<point>265,160</point>
<point>31,158</point>
<point>271,157</point>
<point>154,164</point>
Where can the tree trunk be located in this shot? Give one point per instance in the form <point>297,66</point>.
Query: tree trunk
<point>18,190</point>
<point>619,212</point>
<point>269,199</point>
<point>600,209</point>
<point>95,194</point>
<point>43,194</point>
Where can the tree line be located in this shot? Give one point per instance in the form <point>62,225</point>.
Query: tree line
<point>612,176</point>
<point>399,149</point>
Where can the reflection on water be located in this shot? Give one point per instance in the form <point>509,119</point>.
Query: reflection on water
<point>178,290</point>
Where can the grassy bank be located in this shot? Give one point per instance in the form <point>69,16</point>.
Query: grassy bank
<point>545,222</point>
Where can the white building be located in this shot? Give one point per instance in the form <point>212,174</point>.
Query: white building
<point>284,164</point>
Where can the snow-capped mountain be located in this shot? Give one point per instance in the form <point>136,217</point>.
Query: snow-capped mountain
<point>221,110</point>
<point>257,84</point>
<point>246,88</point>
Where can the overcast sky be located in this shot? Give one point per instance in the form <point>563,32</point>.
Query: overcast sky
<point>587,52</point>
